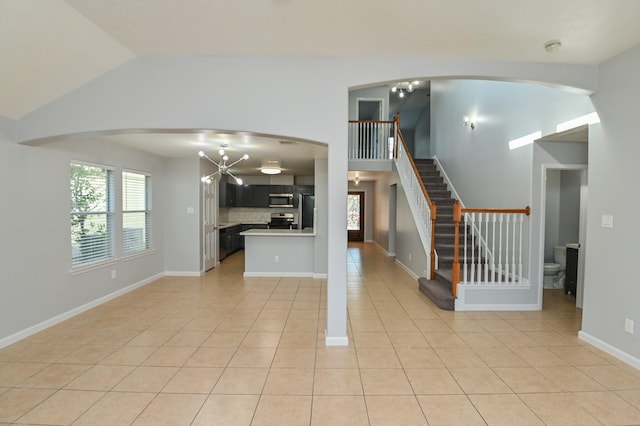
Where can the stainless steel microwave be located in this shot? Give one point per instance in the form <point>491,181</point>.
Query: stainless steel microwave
<point>280,200</point>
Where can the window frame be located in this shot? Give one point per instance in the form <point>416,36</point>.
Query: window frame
<point>109,221</point>
<point>148,213</point>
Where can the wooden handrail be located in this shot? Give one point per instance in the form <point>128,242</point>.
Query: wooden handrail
<point>526,210</point>
<point>373,121</point>
<point>458,210</point>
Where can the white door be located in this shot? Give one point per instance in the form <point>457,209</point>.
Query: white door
<point>210,224</point>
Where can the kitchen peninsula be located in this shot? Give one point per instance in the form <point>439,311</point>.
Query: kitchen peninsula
<point>279,252</point>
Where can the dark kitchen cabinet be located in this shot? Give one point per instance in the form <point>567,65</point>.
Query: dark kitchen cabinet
<point>228,194</point>
<point>281,189</point>
<point>253,196</point>
<point>230,240</point>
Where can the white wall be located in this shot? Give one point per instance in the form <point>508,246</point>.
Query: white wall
<point>202,92</point>
<point>611,292</point>
<point>503,111</point>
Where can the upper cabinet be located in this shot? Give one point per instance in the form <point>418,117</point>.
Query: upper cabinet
<point>257,196</point>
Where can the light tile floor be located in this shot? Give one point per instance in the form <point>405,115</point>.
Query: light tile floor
<point>225,350</point>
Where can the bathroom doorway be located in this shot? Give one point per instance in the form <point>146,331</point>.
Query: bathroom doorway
<point>565,202</point>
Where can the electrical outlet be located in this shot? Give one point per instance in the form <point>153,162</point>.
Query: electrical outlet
<point>628,325</point>
<point>113,274</point>
<point>409,257</point>
<point>606,221</point>
<point>276,259</point>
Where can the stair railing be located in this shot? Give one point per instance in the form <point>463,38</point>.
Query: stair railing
<point>423,209</point>
<point>372,140</point>
<point>492,251</point>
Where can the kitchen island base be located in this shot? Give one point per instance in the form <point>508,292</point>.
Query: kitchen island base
<point>279,253</point>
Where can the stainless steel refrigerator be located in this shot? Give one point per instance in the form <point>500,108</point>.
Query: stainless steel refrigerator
<point>306,206</point>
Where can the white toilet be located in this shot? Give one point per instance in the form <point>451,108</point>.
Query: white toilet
<point>554,272</point>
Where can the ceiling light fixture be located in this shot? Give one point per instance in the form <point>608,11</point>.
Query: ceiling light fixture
<point>405,87</point>
<point>271,167</point>
<point>552,46</point>
<point>223,167</point>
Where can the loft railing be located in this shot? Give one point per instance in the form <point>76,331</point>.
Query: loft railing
<point>492,246</point>
<point>373,140</point>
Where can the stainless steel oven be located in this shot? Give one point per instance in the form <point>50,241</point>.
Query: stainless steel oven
<point>281,221</point>
<point>280,200</point>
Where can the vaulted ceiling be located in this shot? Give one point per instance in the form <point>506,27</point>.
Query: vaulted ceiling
<point>50,47</point>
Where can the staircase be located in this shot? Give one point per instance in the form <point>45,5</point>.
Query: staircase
<point>439,290</point>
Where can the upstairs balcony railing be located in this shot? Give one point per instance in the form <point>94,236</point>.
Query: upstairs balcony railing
<point>373,140</point>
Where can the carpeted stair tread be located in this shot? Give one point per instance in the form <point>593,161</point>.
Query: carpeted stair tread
<point>438,292</point>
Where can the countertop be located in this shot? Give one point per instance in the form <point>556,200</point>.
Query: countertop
<point>225,225</point>
<point>306,232</point>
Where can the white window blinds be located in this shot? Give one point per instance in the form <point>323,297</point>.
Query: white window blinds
<point>136,213</point>
<point>92,205</point>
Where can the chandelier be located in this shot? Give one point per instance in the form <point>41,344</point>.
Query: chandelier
<point>223,167</point>
<point>404,87</point>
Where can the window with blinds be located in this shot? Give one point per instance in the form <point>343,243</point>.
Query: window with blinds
<point>92,206</point>
<point>136,213</point>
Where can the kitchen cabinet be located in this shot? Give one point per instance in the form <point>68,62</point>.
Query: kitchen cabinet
<point>281,189</point>
<point>253,196</point>
<point>228,194</point>
<point>230,240</point>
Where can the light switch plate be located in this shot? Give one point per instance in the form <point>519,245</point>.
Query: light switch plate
<point>607,221</point>
<point>628,325</point>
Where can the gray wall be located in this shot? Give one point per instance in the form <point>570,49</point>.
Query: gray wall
<point>481,158</point>
<point>611,292</point>
<point>35,251</point>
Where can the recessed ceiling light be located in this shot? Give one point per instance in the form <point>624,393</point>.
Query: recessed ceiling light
<point>552,46</point>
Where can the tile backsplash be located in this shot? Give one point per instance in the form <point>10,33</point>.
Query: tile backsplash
<point>245,215</point>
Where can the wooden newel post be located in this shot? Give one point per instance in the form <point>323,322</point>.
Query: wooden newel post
<point>434,210</point>
<point>455,268</point>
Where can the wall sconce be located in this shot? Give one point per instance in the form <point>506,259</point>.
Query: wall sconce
<point>357,180</point>
<point>467,121</point>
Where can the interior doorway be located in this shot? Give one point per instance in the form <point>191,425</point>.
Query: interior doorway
<point>355,216</point>
<point>209,225</point>
<point>564,207</point>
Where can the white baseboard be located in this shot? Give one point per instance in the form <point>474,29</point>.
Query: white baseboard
<point>622,356</point>
<point>407,270</point>
<point>183,273</point>
<point>461,306</point>
<point>279,274</point>
<point>320,276</point>
<point>335,341</point>
<point>23,334</point>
